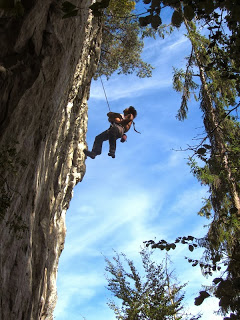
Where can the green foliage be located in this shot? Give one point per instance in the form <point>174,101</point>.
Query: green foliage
<point>202,296</point>
<point>97,7</point>
<point>177,18</point>
<point>225,289</point>
<point>148,296</point>
<point>216,163</point>
<point>222,19</point>
<point>215,14</point>
<point>183,82</point>
<point>122,43</point>
<point>191,241</point>
<point>206,209</point>
<point>69,9</point>
<point>192,244</point>
<point>220,157</point>
<point>224,229</point>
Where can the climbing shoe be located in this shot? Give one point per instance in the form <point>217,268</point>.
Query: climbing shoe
<point>111,154</point>
<point>89,153</point>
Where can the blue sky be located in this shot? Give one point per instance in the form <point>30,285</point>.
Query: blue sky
<point>146,192</point>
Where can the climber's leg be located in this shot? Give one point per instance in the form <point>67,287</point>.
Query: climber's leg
<point>114,133</point>
<point>89,153</point>
<point>97,146</point>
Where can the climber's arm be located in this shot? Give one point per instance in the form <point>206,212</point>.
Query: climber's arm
<point>114,117</point>
<point>127,122</point>
<point>127,119</point>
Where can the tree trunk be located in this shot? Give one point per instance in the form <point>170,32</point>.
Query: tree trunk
<point>215,135</point>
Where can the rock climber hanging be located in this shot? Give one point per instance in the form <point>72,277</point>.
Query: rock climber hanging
<point>120,123</point>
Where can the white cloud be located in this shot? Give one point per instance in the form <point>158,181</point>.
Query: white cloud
<point>160,56</point>
<point>187,201</point>
<point>128,87</point>
<point>77,289</point>
<point>128,210</point>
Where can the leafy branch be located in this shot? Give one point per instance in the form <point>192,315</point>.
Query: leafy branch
<point>220,287</point>
<point>202,148</point>
<point>71,10</point>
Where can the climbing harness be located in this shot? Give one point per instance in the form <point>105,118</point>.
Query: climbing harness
<point>123,139</point>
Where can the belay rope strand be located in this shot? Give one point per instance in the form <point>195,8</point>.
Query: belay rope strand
<point>105,94</point>
<point>109,105</point>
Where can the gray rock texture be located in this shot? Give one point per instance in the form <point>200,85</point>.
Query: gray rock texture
<point>46,67</point>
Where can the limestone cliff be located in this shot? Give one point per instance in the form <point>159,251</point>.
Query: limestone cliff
<point>46,66</point>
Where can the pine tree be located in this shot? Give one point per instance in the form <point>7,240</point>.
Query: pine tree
<point>220,158</point>
<point>150,296</point>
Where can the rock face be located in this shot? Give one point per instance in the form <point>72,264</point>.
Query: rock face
<point>46,67</point>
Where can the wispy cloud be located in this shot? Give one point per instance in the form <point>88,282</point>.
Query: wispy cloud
<point>76,290</point>
<point>128,87</point>
<point>160,56</point>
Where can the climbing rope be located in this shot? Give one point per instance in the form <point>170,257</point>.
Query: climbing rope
<point>109,105</point>
<point>105,94</point>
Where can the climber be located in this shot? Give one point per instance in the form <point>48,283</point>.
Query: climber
<point>120,123</point>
